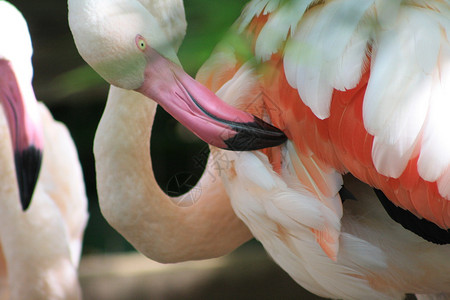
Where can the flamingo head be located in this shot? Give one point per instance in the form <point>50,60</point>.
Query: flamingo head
<point>129,45</point>
<point>18,100</point>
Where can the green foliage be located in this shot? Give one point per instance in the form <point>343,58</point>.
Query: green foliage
<point>208,22</point>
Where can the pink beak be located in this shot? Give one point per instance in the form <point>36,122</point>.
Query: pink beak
<point>26,137</point>
<point>201,111</point>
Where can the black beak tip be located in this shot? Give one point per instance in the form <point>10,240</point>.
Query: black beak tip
<point>254,136</point>
<point>28,163</point>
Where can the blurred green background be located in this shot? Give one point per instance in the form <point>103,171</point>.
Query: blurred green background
<point>76,95</point>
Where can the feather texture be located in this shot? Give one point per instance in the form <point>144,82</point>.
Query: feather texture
<point>353,85</point>
<point>402,46</point>
<point>435,151</point>
<point>324,183</point>
<point>254,8</point>
<point>277,28</point>
<point>323,48</point>
<point>398,93</point>
<point>279,215</point>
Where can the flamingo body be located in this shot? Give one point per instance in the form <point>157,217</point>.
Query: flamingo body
<point>40,247</point>
<point>326,109</point>
<point>360,107</point>
<point>377,258</point>
<point>334,126</point>
<point>297,222</point>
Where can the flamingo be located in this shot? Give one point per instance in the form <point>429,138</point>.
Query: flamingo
<point>164,229</point>
<point>40,242</point>
<point>359,89</point>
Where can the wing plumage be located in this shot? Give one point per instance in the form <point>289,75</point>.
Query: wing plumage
<point>388,61</point>
<point>317,51</point>
<point>277,28</point>
<point>359,87</point>
<point>398,93</point>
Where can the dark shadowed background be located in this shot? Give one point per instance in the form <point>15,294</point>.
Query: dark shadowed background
<point>76,96</point>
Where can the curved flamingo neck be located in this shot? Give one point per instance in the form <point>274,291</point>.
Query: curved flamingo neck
<point>132,202</point>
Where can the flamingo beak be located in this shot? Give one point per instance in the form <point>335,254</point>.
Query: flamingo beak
<point>26,137</point>
<point>201,111</point>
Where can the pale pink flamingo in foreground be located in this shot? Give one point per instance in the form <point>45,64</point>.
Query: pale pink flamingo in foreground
<point>40,246</point>
<point>358,86</point>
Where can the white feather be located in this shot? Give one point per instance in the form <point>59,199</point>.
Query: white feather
<point>398,93</point>
<point>387,12</point>
<point>302,63</point>
<point>389,160</point>
<point>276,30</point>
<point>221,62</point>
<point>322,45</point>
<point>252,168</point>
<point>252,9</point>
<point>444,188</point>
<point>350,65</point>
<point>337,24</point>
<point>332,179</point>
<point>443,296</point>
<point>240,91</point>
<point>315,90</point>
<point>279,218</point>
<point>271,6</point>
<point>434,157</point>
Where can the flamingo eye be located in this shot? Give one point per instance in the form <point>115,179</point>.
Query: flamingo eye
<point>141,43</point>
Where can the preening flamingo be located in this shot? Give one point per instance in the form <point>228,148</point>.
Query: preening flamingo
<point>41,246</point>
<point>359,87</point>
<point>151,221</point>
